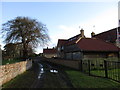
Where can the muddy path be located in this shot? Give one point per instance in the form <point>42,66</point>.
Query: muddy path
<point>49,75</point>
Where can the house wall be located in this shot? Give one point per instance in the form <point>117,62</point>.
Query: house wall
<point>68,55</point>
<point>74,55</point>
<point>71,48</point>
<point>77,55</point>
<point>50,55</point>
<point>90,55</point>
<point>60,52</point>
<point>69,63</point>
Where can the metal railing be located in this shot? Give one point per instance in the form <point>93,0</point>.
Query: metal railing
<point>101,68</point>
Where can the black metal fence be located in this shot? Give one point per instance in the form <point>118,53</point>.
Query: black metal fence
<point>101,68</point>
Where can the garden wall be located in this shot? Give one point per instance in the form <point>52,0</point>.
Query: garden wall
<point>10,71</point>
<point>69,63</point>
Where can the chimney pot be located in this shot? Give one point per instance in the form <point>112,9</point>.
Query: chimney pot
<point>82,32</point>
<point>92,34</point>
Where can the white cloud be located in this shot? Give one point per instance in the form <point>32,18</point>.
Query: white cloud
<point>64,32</point>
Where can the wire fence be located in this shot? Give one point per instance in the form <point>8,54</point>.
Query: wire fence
<point>101,68</point>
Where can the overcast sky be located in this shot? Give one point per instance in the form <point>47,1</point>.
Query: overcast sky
<point>63,19</point>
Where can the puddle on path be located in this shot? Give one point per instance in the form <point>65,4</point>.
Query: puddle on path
<point>53,71</point>
<point>41,71</point>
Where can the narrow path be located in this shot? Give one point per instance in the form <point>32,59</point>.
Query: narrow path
<point>50,76</point>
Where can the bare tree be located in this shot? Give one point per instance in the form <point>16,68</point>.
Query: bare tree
<point>27,31</point>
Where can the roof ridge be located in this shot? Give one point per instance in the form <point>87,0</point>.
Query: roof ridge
<point>62,39</point>
<point>74,36</point>
<point>106,31</point>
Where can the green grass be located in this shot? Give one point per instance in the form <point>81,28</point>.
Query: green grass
<point>81,80</point>
<point>4,62</point>
<point>24,80</point>
<point>98,73</point>
<point>113,73</point>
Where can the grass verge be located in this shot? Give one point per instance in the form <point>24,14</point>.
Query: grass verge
<point>81,80</point>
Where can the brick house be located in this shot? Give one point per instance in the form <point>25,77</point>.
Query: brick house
<point>79,47</point>
<point>49,52</point>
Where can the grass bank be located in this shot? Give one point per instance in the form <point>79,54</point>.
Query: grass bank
<point>81,80</point>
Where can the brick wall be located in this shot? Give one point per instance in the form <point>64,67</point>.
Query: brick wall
<point>9,71</point>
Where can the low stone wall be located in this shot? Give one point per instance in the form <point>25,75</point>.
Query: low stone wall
<point>9,71</point>
<point>69,63</point>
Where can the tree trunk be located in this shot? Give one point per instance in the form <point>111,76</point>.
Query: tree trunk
<point>25,53</point>
<point>25,56</point>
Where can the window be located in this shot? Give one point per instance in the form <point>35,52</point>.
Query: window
<point>62,48</point>
<point>58,48</point>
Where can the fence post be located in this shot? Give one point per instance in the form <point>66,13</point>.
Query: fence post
<point>118,71</point>
<point>89,67</point>
<point>105,66</point>
<point>80,65</point>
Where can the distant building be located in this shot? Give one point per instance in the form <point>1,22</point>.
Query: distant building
<point>107,36</point>
<point>79,47</point>
<point>49,52</point>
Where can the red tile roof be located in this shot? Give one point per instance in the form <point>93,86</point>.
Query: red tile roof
<point>110,35</point>
<point>90,44</point>
<point>49,51</point>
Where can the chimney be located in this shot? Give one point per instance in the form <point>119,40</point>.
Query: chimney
<point>82,32</point>
<point>92,34</point>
